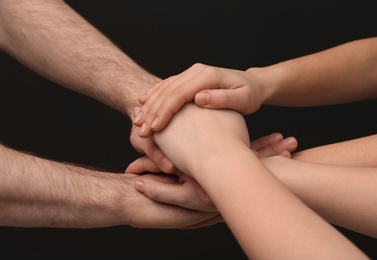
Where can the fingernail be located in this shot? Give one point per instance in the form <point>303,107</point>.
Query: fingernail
<point>141,99</point>
<point>277,137</point>
<point>290,141</point>
<point>138,117</point>
<point>154,122</point>
<point>143,128</point>
<point>139,186</point>
<point>202,98</point>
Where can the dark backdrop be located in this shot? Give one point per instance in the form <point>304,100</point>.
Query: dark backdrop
<point>166,37</point>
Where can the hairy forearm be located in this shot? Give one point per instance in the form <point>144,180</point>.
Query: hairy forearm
<point>343,195</point>
<point>35,192</point>
<point>345,73</point>
<point>40,193</point>
<point>360,152</point>
<point>53,40</point>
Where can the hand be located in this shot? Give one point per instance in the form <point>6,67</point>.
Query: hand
<point>187,192</point>
<point>184,191</point>
<point>145,213</point>
<point>148,147</point>
<point>274,144</point>
<point>212,87</point>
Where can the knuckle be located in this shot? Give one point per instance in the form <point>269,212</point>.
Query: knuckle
<point>198,66</point>
<point>211,72</point>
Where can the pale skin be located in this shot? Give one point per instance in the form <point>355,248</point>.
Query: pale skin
<point>327,77</point>
<point>53,40</point>
<point>314,176</point>
<point>188,192</point>
<point>265,217</point>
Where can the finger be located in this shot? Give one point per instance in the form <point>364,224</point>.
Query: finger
<point>283,148</point>
<point>144,97</point>
<point>200,192</point>
<point>157,156</point>
<point>162,177</point>
<point>169,193</point>
<point>141,165</point>
<point>137,116</point>
<point>155,99</point>
<point>152,151</point>
<point>148,101</point>
<point>234,99</point>
<point>266,141</point>
<point>173,94</point>
<point>154,95</point>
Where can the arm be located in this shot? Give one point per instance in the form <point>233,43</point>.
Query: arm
<point>50,38</point>
<point>188,192</point>
<point>53,40</point>
<point>40,193</point>
<point>314,176</point>
<point>213,148</point>
<point>343,195</point>
<point>342,74</point>
<point>360,152</point>
<point>345,73</point>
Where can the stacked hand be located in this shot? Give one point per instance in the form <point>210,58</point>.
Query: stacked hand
<point>210,87</point>
<point>185,191</point>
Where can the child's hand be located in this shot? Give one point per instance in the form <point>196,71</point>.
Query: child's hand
<point>184,191</point>
<point>274,144</point>
<point>211,87</point>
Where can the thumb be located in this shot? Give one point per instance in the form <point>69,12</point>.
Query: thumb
<point>233,99</point>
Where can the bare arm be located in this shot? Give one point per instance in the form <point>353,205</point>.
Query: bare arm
<point>213,148</point>
<point>359,152</point>
<point>53,40</point>
<point>336,180</point>
<point>187,192</point>
<point>40,193</point>
<point>343,195</point>
<point>345,73</point>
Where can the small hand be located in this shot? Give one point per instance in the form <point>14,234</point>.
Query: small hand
<point>212,87</point>
<point>274,144</point>
<point>148,147</point>
<point>187,192</point>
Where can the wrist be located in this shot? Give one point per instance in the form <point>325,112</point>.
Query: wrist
<point>266,79</point>
<point>133,88</point>
<point>212,163</point>
<point>124,81</point>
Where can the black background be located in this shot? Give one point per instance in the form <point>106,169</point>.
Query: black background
<point>166,37</point>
